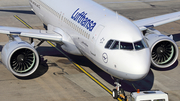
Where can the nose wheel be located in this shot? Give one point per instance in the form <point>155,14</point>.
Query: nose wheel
<point>115,93</point>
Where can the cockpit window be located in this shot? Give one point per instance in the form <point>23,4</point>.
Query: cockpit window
<point>109,43</point>
<point>126,46</point>
<point>115,45</point>
<point>138,45</point>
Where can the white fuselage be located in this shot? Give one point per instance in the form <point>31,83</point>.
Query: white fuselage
<point>87,27</point>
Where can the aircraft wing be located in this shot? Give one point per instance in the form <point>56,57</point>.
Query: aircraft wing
<point>143,24</point>
<point>31,33</point>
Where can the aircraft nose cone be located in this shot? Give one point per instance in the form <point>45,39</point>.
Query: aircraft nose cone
<point>139,64</point>
<point>139,71</point>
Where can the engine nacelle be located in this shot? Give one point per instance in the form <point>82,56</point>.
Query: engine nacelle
<point>164,51</point>
<point>20,58</point>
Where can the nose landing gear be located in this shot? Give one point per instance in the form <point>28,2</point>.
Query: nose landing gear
<point>118,92</point>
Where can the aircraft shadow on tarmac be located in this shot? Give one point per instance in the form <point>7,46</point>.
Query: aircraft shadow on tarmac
<point>176,37</point>
<point>144,84</point>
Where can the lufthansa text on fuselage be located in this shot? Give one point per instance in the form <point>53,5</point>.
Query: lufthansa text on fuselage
<point>83,20</point>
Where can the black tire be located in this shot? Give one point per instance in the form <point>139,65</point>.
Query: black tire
<point>115,94</point>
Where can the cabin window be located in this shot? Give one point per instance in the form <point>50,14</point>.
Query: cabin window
<point>60,16</point>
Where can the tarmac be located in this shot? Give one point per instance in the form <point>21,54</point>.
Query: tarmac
<point>57,79</point>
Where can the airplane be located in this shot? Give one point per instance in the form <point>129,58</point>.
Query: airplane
<point>123,48</point>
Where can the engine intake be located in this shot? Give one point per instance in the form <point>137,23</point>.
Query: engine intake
<point>20,58</point>
<point>23,60</point>
<point>164,51</point>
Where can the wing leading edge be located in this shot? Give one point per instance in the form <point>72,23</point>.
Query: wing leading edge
<point>143,24</point>
<point>31,33</point>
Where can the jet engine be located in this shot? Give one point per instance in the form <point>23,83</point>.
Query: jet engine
<point>164,51</point>
<point>20,58</point>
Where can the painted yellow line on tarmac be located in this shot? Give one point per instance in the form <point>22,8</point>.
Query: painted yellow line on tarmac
<point>82,69</point>
<point>51,44</point>
<point>23,22</point>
